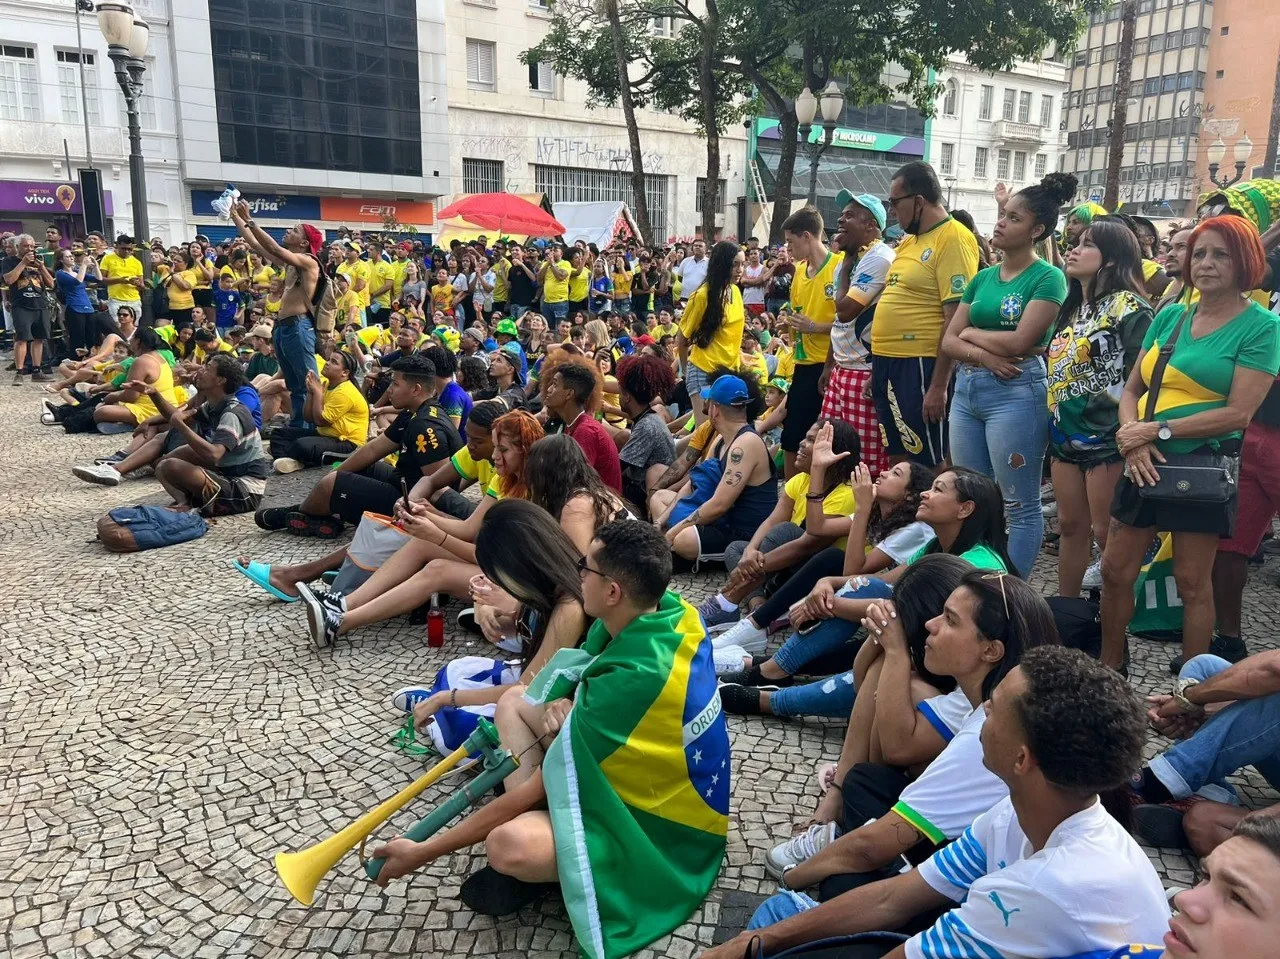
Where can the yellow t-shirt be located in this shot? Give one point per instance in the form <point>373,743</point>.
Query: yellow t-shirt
<point>815,297</point>
<point>343,306</point>
<point>220,346</point>
<point>578,285</point>
<point>442,296</point>
<point>929,271</point>
<point>180,299</point>
<point>236,276</point>
<point>348,414</point>
<point>201,282</point>
<point>839,502</point>
<point>114,267</point>
<point>358,269</point>
<point>622,283</point>
<point>272,307</point>
<point>500,271</point>
<point>554,290</point>
<point>379,273</point>
<point>1149,269</point>
<point>758,366</point>
<point>725,349</point>
<point>481,472</point>
<point>786,363</point>
<point>397,276</point>
<point>262,279</point>
<point>1261,297</point>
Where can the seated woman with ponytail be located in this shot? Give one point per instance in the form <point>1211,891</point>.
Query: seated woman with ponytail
<point>526,556</point>
<point>965,511</point>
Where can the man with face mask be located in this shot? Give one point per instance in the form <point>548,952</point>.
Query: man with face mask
<point>934,262</point>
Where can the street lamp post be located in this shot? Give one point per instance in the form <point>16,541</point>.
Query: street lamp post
<point>1217,150</point>
<point>831,102</point>
<point>127,37</point>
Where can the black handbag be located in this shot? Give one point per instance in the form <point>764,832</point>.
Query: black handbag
<point>1187,478</point>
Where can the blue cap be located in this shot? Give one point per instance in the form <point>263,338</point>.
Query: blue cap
<point>868,202</point>
<point>727,391</point>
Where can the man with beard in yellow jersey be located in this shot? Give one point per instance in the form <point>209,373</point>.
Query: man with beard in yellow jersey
<point>935,261</point>
<point>813,311</point>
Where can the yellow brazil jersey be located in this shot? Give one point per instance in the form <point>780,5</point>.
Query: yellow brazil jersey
<point>442,297</point>
<point>344,305</point>
<point>839,502</point>
<point>481,471</point>
<point>725,348</point>
<point>786,363</point>
<point>578,285</point>
<point>929,271</point>
<point>113,267</point>
<point>221,346</point>
<point>348,414</point>
<point>203,282</point>
<point>272,307</point>
<point>555,290</point>
<point>353,271</point>
<point>180,299</point>
<point>815,297</point>
<point>381,272</point>
<point>500,271</point>
<point>622,283</point>
<point>397,276</point>
<point>262,279</point>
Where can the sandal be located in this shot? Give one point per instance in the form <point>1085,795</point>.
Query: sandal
<point>260,575</point>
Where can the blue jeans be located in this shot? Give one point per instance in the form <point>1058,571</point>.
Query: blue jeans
<point>555,312</point>
<point>294,339</point>
<point>832,696</point>
<point>517,310</point>
<point>1246,733</point>
<point>1001,428</point>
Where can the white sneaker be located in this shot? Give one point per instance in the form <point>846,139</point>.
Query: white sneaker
<point>799,848</point>
<point>287,464</point>
<point>743,633</point>
<point>1049,510</point>
<point>48,419</point>
<point>728,659</point>
<point>1093,576</point>
<point>103,475</point>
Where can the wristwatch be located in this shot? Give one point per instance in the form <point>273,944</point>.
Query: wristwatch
<point>1180,696</point>
<point>1164,432</point>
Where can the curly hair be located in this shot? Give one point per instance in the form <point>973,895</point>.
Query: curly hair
<point>473,373</point>
<point>556,359</point>
<point>1083,722</point>
<point>557,471</point>
<point>844,439</point>
<point>521,429</point>
<point>904,514</point>
<point>645,377</point>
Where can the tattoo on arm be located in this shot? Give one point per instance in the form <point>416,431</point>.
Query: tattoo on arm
<point>695,517</point>
<point>736,455</point>
<point>733,479</point>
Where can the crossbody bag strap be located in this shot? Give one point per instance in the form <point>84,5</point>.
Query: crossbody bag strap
<point>1162,361</point>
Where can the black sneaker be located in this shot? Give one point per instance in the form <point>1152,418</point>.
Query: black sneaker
<point>1230,648</point>
<point>753,677</point>
<point>740,700</point>
<point>1161,825</point>
<point>491,893</point>
<point>323,620</point>
<point>40,376</point>
<point>273,518</point>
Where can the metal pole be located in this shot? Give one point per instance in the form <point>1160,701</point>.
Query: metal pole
<point>84,96</point>
<point>129,75</point>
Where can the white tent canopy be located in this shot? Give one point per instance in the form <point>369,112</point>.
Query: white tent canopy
<point>596,222</point>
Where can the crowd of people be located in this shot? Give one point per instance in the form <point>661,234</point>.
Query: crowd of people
<point>855,434</point>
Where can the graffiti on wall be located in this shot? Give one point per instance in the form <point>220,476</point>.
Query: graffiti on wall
<point>583,152</point>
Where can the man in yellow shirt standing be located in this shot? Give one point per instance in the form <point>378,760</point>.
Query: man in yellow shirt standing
<point>356,271</point>
<point>501,267</point>
<point>401,253</point>
<point>381,283</point>
<point>554,277</point>
<point>122,273</point>
<point>934,262</point>
<point>813,312</point>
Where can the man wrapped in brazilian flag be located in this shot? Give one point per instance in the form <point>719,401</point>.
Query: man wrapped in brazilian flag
<point>627,811</point>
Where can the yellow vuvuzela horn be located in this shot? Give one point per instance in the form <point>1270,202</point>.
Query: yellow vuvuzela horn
<point>302,871</point>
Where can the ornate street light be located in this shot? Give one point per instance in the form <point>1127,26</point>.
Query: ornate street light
<point>1217,150</point>
<point>830,102</point>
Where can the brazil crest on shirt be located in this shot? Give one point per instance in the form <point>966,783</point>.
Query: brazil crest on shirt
<point>638,778</point>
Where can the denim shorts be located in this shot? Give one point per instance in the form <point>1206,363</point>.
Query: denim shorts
<point>695,380</point>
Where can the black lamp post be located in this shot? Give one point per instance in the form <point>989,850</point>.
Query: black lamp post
<point>127,36</point>
<point>1217,150</point>
<point>831,100</point>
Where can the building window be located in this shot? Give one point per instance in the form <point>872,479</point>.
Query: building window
<point>1090,96</point>
<point>984,101</point>
<point>1218,75</point>
<point>542,79</point>
<point>1224,31</point>
<point>329,87</point>
<point>1024,106</point>
<point>1046,110</point>
<point>663,27</point>
<point>19,83</point>
<point>980,163</point>
<point>721,189</point>
<point>1010,98</point>
<point>1042,165</point>
<point>1108,52</point>
<point>1106,94</point>
<point>1155,42</point>
<point>1190,37</point>
<point>947,159</point>
<point>572,185</point>
<point>1019,166</point>
<point>1081,58</point>
<point>1151,86</point>
<point>1140,47</point>
<point>1135,88</point>
<point>69,86</point>
<point>481,176</point>
<point>1002,164</point>
<point>481,56</point>
<point>949,99</point>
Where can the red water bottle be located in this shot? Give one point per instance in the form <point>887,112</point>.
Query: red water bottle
<point>435,622</point>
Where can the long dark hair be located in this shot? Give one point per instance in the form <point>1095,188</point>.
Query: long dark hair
<point>719,271</point>
<point>986,524</point>
<point>918,596</point>
<point>525,552</point>
<point>1011,611</point>
<point>1121,269</point>
<point>904,514</point>
<point>557,470</point>
<point>844,438</point>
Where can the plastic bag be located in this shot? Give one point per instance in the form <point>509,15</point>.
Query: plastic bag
<point>222,205</point>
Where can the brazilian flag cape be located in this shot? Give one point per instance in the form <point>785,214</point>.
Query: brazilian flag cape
<point>638,778</point>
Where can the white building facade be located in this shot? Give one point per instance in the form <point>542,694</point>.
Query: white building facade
<point>996,127</point>
<point>522,128</point>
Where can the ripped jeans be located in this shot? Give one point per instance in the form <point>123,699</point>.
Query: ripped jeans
<point>1001,428</point>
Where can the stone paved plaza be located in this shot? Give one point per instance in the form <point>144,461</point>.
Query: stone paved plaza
<point>167,729</point>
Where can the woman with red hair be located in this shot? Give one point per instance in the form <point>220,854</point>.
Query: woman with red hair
<point>1204,370</point>
<point>441,555</point>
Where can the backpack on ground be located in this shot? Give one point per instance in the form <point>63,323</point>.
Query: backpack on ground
<point>131,529</point>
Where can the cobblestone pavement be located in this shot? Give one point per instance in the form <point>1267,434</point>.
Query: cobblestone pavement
<point>167,730</point>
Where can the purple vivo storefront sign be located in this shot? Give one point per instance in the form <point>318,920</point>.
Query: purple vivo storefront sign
<point>41,198</point>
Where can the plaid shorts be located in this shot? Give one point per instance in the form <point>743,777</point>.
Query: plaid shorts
<point>844,400</point>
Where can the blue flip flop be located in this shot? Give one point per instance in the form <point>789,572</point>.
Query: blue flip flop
<point>260,575</point>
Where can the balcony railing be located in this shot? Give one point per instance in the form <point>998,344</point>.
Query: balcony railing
<point>1010,131</point>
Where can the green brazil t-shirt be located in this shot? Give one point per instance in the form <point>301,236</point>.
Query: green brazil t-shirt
<point>980,556</point>
<point>995,304</point>
<point>1201,369</point>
